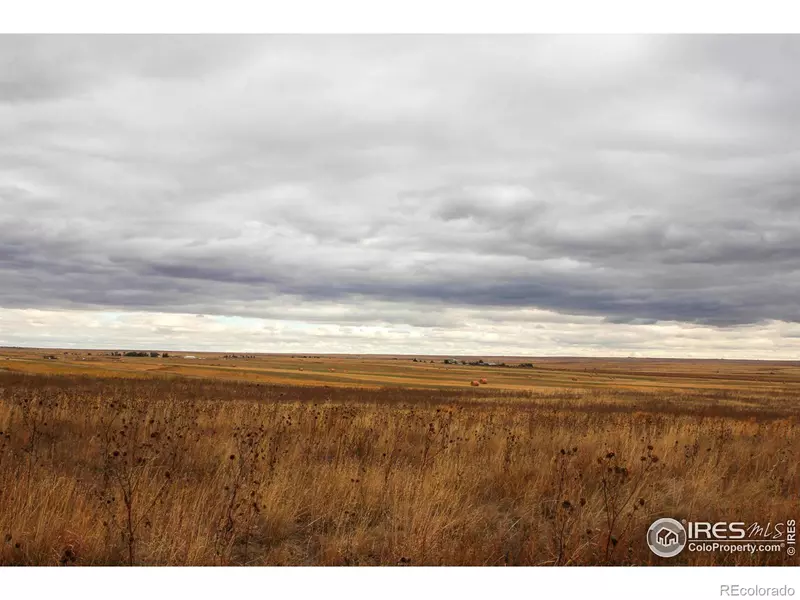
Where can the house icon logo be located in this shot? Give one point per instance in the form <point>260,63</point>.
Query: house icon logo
<point>666,537</point>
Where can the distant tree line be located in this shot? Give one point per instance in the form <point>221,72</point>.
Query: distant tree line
<point>482,363</point>
<point>138,354</point>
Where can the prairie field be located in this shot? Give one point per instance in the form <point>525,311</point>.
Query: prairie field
<point>335,460</point>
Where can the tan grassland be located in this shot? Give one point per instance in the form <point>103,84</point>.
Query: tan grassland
<point>335,460</point>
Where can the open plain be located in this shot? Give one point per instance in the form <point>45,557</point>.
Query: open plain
<point>221,459</point>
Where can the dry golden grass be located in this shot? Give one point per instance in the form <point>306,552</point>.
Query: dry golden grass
<point>201,472</point>
<point>424,372</point>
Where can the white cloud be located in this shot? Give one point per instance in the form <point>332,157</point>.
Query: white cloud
<point>395,188</point>
<point>469,332</point>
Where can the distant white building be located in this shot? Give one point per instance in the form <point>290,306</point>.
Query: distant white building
<point>189,357</point>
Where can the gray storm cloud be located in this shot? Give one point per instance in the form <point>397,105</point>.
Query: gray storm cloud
<point>638,179</point>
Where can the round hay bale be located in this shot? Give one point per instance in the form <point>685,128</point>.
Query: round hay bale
<point>475,383</point>
<point>483,380</point>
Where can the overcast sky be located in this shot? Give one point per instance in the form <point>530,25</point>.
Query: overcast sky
<point>579,195</point>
